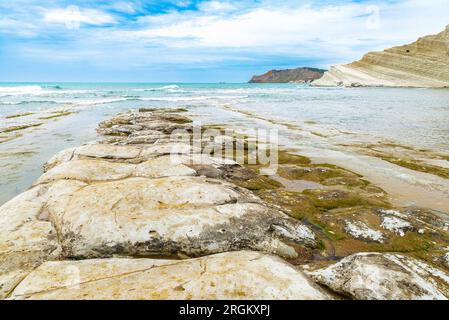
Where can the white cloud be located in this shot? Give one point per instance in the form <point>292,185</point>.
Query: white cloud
<point>345,31</point>
<point>56,54</point>
<point>17,27</point>
<point>183,3</point>
<point>216,7</point>
<point>284,25</point>
<point>258,34</point>
<point>74,15</point>
<point>261,27</point>
<point>122,6</point>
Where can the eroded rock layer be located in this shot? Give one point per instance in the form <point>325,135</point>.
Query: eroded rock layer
<point>424,63</point>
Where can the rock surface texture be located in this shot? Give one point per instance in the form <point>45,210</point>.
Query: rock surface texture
<point>122,198</point>
<point>235,275</point>
<point>375,276</point>
<point>145,213</point>
<point>424,63</point>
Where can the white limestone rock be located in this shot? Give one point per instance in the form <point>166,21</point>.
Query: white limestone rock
<point>360,230</point>
<point>235,275</point>
<point>396,225</point>
<point>27,239</point>
<point>94,151</point>
<point>100,170</point>
<point>423,63</point>
<point>61,157</point>
<point>119,153</point>
<point>446,259</point>
<point>177,215</point>
<point>104,200</point>
<point>377,276</point>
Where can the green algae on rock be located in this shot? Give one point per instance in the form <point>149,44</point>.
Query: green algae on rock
<point>19,115</point>
<point>419,166</point>
<point>20,127</point>
<point>57,115</point>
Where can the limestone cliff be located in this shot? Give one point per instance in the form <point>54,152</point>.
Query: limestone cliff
<point>424,63</point>
<point>299,75</point>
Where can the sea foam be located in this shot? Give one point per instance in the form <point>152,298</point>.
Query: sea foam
<point>20,90</point>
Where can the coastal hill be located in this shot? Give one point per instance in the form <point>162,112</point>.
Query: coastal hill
<point>424,63</point>
<point>299,75</point>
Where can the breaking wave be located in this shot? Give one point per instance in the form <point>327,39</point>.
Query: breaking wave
<point>11,91</point>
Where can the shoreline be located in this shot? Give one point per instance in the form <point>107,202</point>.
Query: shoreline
<point>310,113</point>
<point>153,198</point>
<point>411,176</point>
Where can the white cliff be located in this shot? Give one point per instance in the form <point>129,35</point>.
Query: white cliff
<point>422,64</point>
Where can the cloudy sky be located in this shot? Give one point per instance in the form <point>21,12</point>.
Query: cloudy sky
<point>199,40</point>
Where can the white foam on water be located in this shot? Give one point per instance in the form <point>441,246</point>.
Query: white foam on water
<point>36,90</point>
<point>20,90</point>
<point>24,102</point>
<point>101,101</point>
<point>93,102</point>
<point>170,88</point>
<point>198,98</point>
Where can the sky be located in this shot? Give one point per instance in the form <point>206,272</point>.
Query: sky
<point>199,40</point>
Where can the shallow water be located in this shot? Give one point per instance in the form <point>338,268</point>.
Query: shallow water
<point>318,118</point>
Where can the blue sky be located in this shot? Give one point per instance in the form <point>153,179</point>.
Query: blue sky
<point>198,40</point>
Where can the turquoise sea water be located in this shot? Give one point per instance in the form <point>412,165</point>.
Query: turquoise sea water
<point>417,117</point>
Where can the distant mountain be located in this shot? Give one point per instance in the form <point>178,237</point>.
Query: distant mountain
<point>299,75</point>
<point>424,63</point>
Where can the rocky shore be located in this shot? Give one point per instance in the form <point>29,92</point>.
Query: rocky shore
<point>137,215</point>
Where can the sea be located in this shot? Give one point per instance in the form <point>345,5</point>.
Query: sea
<point>306,116</point>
